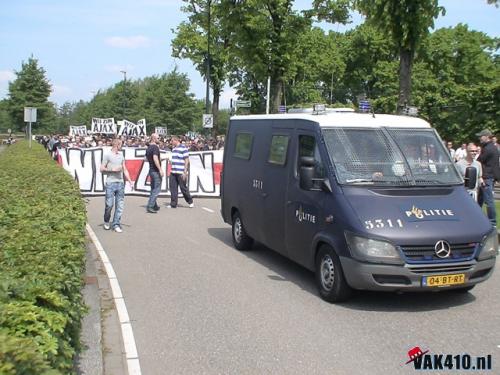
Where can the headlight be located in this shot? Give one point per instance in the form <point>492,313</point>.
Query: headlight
<point>370,250</point>
<point>489,248</point>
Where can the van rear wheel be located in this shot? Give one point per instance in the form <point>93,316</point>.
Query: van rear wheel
<point>330,278</point>
<point>241,240</point>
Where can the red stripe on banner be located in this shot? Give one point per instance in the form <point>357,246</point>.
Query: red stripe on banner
<point>134,168</point>
<point>217,172</point>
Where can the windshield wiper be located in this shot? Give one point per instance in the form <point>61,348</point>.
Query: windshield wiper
<point>360,181</point>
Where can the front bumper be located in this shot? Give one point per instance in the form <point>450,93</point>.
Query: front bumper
<point>382,277</point>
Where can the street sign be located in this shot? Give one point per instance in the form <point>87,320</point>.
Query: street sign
<point>29,114</point>
<point>243,103</point>
<point>9,131</point>
<point>208,120</point>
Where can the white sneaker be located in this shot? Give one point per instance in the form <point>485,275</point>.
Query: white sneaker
<point>191,205</point>
<point>118,230</point>
<point>107,226</point>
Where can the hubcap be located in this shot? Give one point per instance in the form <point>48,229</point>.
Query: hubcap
<point>327,271</point>
<point>237,229</point>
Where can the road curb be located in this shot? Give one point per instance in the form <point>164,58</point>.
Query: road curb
<point>127,334</point>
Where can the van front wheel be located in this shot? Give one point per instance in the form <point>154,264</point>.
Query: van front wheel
<point>330,278</point>
<point>241,240</point>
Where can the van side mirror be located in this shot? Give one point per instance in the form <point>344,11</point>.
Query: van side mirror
<point>470,178</point>
<point>306,172</point>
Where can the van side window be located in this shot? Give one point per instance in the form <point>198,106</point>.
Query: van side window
<point>243,145</point>
<point>308,147</point>
<point>278,150</point>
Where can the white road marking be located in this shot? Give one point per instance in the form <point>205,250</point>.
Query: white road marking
<point>208,209</point>
<point>133,365</point>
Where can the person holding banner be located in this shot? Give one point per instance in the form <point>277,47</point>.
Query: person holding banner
<point>155,173</point>
<point>178,175</point>
<point>113,165</point>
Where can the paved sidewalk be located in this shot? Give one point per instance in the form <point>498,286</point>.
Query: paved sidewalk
<point>101,336</point>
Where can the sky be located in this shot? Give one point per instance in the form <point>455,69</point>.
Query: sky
<point>83,45</point>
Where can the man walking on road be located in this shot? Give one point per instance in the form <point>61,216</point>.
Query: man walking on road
<point>113,165</point>
<point>155,173</point>
<point>489,161</point>
<point>179,173</point>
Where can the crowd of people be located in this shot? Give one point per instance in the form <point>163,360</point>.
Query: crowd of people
<point>165,143</point>
<point>485,159</point>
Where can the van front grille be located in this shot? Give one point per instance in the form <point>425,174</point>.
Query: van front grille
<point>459,252</point>
<point>437,269</point>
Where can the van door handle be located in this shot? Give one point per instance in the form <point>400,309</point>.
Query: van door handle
<point>264,195</point>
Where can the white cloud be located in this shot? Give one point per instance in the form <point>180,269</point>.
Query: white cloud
<point>7,75</point>
<point>136,41</point>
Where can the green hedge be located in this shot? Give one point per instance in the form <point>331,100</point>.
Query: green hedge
<point>42,262</point>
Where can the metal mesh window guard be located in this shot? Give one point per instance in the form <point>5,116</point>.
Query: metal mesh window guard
<point>389,156</point>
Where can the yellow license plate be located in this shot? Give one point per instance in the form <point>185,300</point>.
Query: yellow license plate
<point>444,280</point>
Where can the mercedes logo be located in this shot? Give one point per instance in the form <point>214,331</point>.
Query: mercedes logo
<point>442,249</point>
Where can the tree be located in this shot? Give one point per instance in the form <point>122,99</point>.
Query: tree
<point>314,77</point>
<point>407,22</point>
<point>264,37</point>
<point>457,82</point>
<point>205,41</point>
<point>31,89</point>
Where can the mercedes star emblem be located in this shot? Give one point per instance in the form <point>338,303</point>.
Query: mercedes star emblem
<point>442,249</point>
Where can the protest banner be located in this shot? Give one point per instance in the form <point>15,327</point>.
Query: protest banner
<point>161,130</point>
<point>78,130</point>
<point>141,127</point>
<point>131,129</point>
<point>84,163</point>
<point>103,125</point>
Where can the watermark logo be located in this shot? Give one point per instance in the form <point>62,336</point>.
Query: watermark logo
<point>423,361</point>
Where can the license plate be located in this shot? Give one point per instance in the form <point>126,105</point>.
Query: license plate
<point>443,280</point>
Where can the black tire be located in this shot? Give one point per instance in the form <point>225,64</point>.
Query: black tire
<point>241,240</point>
<point>330,279</point>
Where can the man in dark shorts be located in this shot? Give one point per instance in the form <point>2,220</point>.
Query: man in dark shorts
<point>155,173</point>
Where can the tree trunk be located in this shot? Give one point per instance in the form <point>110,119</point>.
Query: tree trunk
<point>277,90</point>
<point>405,65</point>
<point>215,110</point>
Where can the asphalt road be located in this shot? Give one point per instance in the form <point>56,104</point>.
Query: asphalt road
<point>198,306</point>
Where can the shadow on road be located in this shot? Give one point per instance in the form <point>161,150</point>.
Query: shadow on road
<point>285,270</point>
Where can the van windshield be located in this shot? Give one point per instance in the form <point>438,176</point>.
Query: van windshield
<point>389,156</point>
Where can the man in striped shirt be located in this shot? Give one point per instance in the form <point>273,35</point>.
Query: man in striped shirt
<point>179,173</point>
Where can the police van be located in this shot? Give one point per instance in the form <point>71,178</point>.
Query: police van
<point>366,201</point>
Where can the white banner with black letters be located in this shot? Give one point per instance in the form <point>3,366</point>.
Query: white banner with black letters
<point>78,130</point>
<point>84,163</point>
<point>103,125</point>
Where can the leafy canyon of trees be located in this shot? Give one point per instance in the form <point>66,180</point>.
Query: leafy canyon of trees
<point>394,59</point>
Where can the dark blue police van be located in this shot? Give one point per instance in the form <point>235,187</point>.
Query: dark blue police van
<point>365,201</point>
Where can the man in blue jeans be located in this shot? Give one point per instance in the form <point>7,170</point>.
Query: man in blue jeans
<point>155,173</point>
<point>489,161</point>
<point>113,165</point>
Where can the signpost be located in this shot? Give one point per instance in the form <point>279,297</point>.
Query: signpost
<point>208,121</point>
<point>243,104</point>
<point>29,117</point>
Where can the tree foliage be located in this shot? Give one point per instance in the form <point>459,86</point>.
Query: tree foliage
<point>31,88</point>
<point>407,23</point>
<point>204,41</point>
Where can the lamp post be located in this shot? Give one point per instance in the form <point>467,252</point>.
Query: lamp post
<point>124,93</point>
<point>207,99</point>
